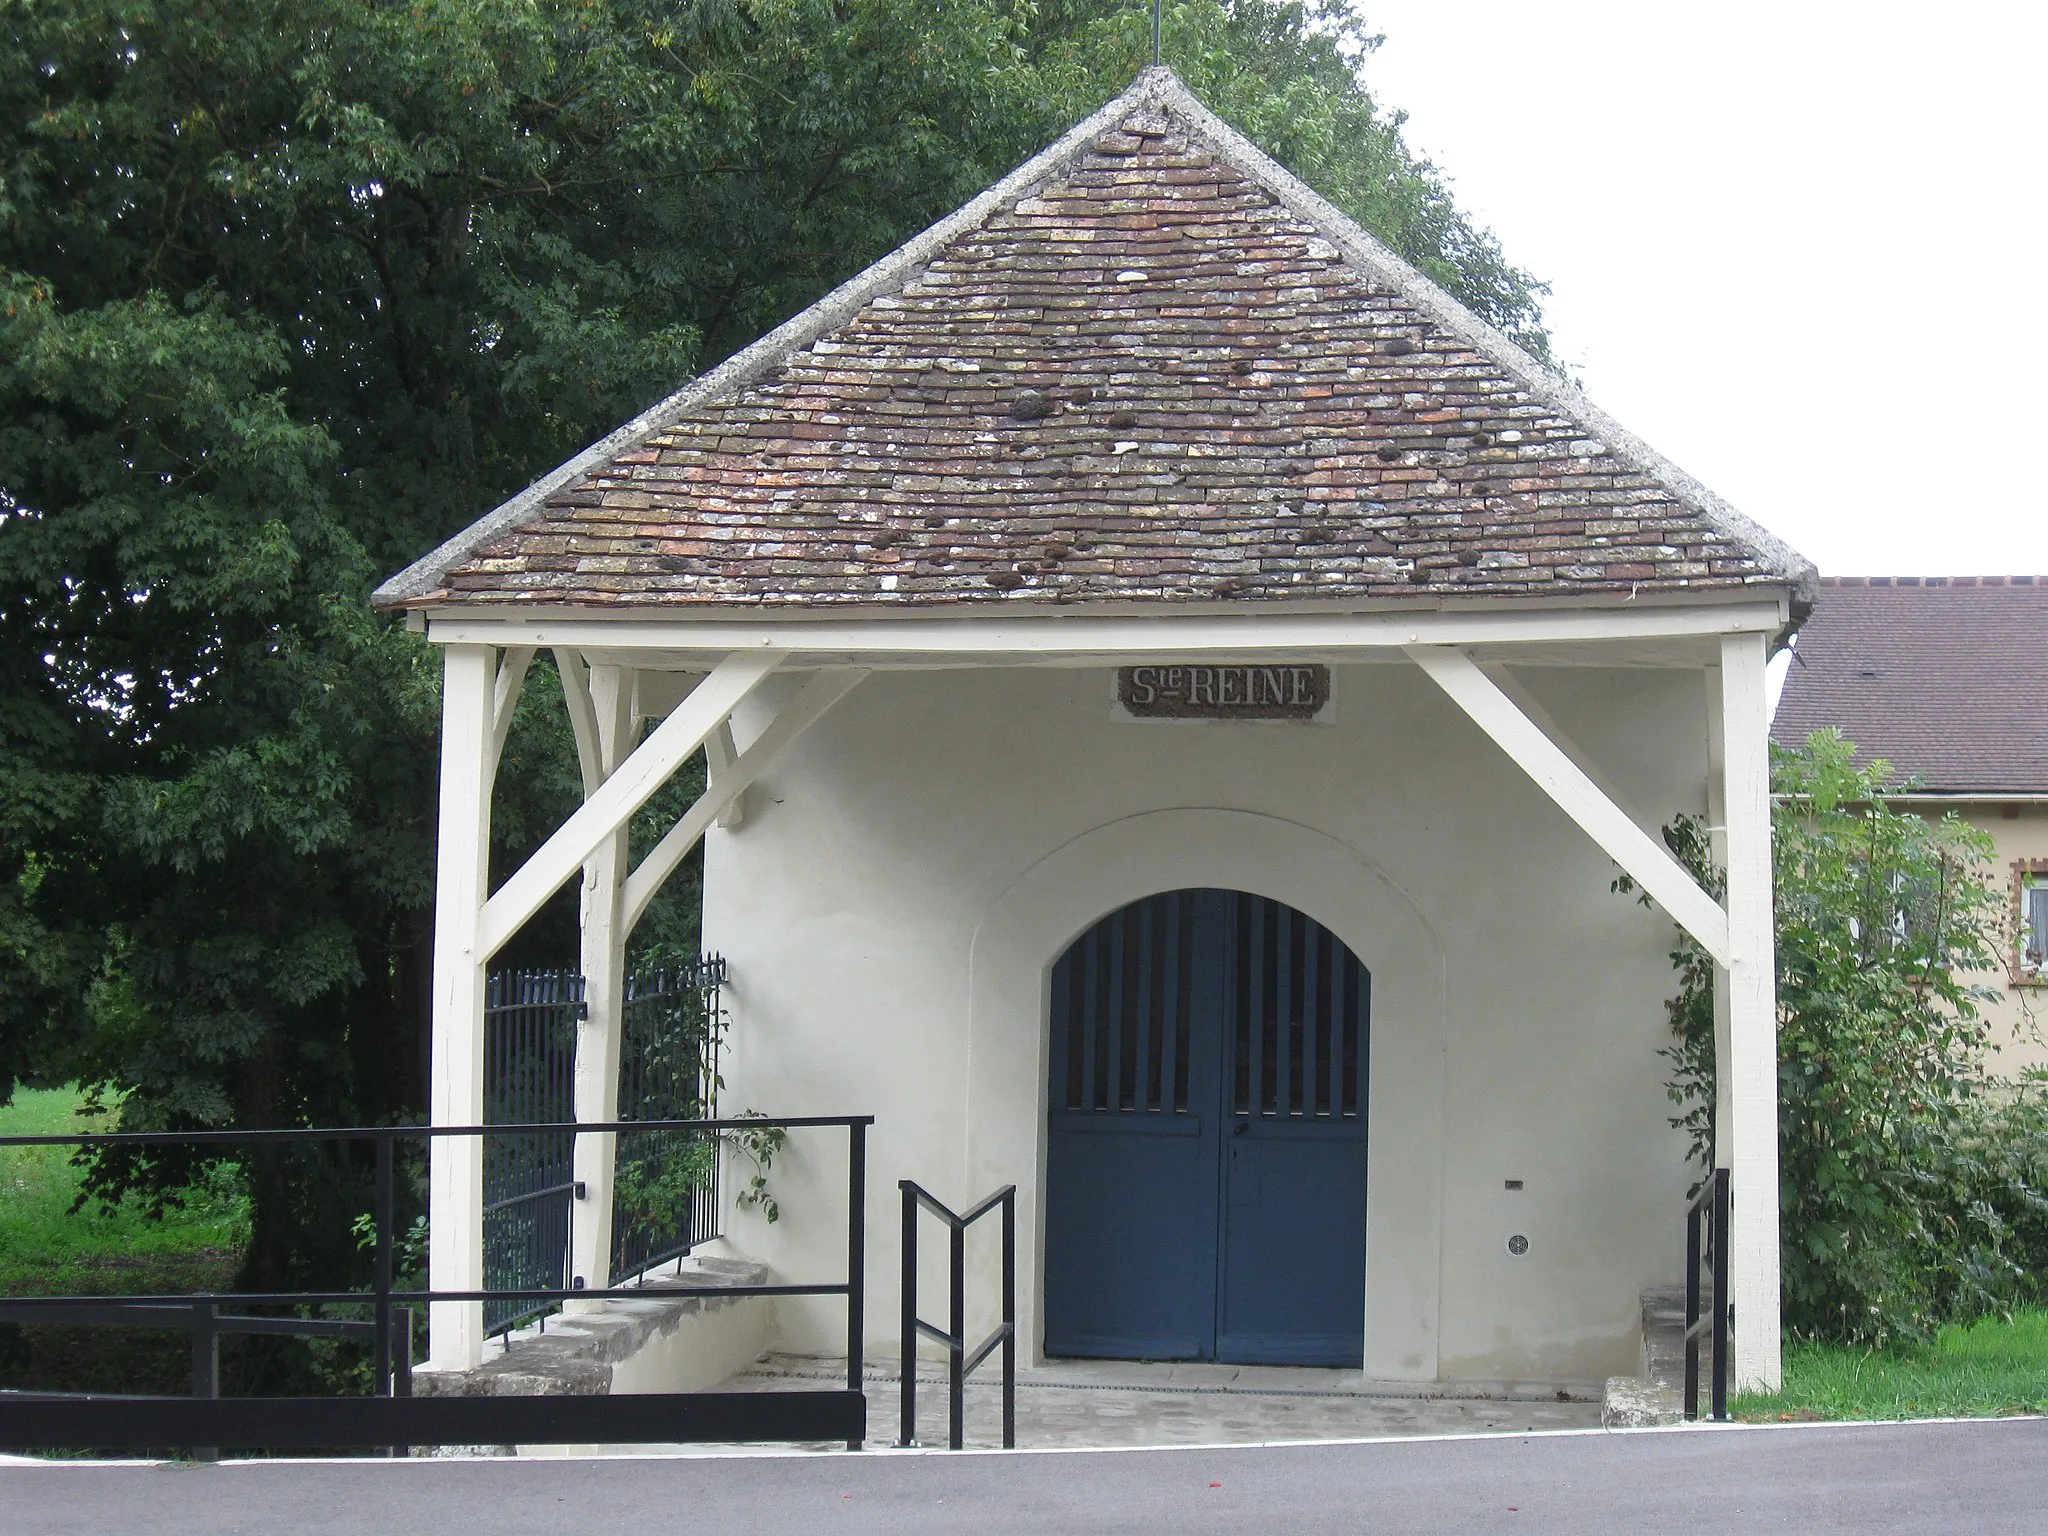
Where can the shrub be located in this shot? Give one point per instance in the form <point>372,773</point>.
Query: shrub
<point>1910,1182</point>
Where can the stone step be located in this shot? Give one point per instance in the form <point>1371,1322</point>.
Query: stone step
<point>1635,1402</point>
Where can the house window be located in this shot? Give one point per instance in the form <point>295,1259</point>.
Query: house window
<point>2033,922</point>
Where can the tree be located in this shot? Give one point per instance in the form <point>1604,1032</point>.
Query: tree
<point>293,290</point>
<point>1908,1186</point>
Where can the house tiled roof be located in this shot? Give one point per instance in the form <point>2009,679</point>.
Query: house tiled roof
<point>1946,678</point>
<point>1149,365</point>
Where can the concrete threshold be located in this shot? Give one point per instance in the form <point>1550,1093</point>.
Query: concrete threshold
<point>1104,1404</point>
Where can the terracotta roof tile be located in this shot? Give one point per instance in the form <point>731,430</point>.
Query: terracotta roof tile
<point>1145,375</point>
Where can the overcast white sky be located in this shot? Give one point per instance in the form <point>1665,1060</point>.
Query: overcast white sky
<point>1795,246</point>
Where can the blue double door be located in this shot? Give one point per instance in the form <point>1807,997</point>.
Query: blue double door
<point>1206,1168</point>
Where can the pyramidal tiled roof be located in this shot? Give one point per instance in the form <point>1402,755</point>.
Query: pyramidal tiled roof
<point>1148,366</point>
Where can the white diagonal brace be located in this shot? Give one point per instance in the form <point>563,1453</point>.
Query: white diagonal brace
<point>505,691</point>
<point>826,688</point>
<point>1650,866</point>
<point>627,789</point>
<point>582,715</point>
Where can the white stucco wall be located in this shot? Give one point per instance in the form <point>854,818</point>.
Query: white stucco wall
<point>906,878</point>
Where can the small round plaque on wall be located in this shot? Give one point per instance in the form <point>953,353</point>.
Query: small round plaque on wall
<point>1518,1245</point>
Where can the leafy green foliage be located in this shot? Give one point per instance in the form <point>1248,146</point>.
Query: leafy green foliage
<point>759,1149</point>
<point>1910,1183</point>
<point>656,1185</point>
<point>408,1249</point>
<point>290,291</point>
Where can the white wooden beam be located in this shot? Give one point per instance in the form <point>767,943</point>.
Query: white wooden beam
<point>582,717</point>
<point>1750,1110</point>
<point>1645,860</point>
<point>508,685</point>
<point>826,688</point>
<point>622,793</point>
<point>455,1167</point>
<point>1107,635</point>
<point>719,755</point>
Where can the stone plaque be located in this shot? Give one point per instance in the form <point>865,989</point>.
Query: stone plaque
<point>1224,691</point>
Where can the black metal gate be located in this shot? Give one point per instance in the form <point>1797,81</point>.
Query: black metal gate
<point>665,1189</point>
<point>529,1181</point>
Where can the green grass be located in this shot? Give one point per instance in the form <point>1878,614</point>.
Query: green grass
<point>1984,1369</point>
<point>46,1249</point>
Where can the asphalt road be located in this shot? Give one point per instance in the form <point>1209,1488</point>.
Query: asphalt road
<point>1974,1479</point>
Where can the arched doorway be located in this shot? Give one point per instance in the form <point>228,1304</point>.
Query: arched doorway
<point>1206,1148</point>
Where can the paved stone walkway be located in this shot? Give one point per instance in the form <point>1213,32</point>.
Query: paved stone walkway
<point>1097,1404</point>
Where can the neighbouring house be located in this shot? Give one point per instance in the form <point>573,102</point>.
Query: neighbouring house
<point>1178,690</point>
<point>1946,679</point>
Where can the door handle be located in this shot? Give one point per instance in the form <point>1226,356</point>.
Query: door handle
<point>1240,1128</point>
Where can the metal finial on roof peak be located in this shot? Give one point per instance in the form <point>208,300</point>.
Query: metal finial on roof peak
<point>1156,7</point>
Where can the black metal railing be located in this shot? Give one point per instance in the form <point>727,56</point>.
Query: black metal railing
<point>207,1324</point>
<point>960,1360</point>
<point>390,1418</point>
<point>1711,1317</point>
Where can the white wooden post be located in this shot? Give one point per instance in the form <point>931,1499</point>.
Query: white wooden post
<point>604,989</point>
<point>1748,1114</point>
<point>462,860</point>
<point>1717,842</point>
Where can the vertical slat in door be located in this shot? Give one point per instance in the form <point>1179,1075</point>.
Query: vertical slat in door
<point>1111,1043</point>
<point>1358,1006</point>
<point>1091,1005</point>
<point>1070,1036</point>
<point>1145,1095</point>
<point>1185,1074</point>
<point>1311,1003</point>
<point>1283,1002</point>
<point>1167,939</point>
<point>1340,1029</point>
<point>1251,1031</point>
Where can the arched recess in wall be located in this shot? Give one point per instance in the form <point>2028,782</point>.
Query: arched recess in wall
<point>1059,897</point>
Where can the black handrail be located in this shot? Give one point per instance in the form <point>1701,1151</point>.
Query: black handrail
<point>393,1379</point>
<point>960,1361</point>
<point>204,1320</point>
<point>1707,1239</point>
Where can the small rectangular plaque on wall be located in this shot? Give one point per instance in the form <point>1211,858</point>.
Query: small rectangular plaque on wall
<point>1224,691</point>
